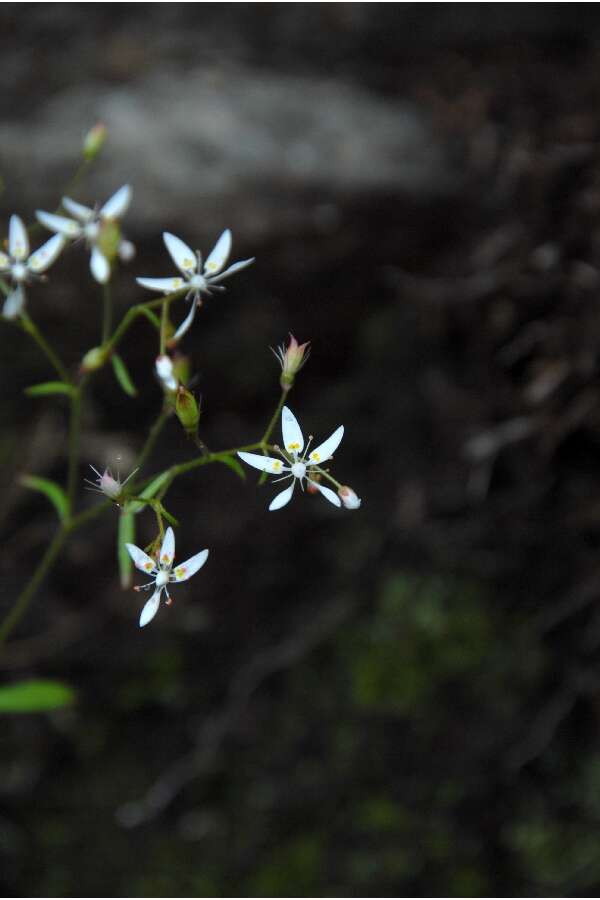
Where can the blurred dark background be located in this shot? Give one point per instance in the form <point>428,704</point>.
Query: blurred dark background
<point>400,700</point>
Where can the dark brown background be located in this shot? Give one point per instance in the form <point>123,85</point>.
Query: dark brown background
<point>402,700</point>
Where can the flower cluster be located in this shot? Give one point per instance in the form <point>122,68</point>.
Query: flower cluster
<point>98,229</point>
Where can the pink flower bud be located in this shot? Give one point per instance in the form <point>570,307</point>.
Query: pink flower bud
<point>291,359</point>
<point>348,497</point>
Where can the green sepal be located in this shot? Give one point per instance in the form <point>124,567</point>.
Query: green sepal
<point>123,376</point>
<point>51,490</point>
<point>49,387</point>
<point>35,695</point>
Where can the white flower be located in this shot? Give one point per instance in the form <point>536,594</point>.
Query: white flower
<point>164,370</point>
<point>23,267</point>
<point>90,224</point>
<point>349,498</point>
<point>163,572</point>
<point>199,279</point>
<point>300,463</point>
<point>107,484</point>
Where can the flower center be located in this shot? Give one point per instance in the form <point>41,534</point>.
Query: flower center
<point>298,470</point>
<point>162,578</point>
<point>19,271</point>
<point>91,231</point>
<point>198,282</point>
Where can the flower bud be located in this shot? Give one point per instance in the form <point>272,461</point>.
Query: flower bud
<point>94,141</point>
<point>164,370</point>
<point>94,359</point>
<point>291,359</point>
<point>187,410</point>
<point>182,368</point>
<point>348,497</point>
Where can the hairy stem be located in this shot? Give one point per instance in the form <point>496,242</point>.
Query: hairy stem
<point>73,445</point>
<point>152,438</point>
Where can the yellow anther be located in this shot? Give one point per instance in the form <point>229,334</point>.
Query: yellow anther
<point>294,446</point>
<point>315,456</point>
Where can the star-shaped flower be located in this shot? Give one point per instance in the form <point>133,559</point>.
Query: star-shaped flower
<point>200,279</point>
<point>162,572</point>
<point>300,462</point>
<point>23,267</point>
<point>93,226</point>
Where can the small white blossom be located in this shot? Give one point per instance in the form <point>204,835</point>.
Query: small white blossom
<point>88,223</point>
<point>300,461</point>
<point>199,279</point>
<point>349,498</point>
<point>107,484</point>
<point>164,370</point>
<point>162,572</point>
<point>23,267</point>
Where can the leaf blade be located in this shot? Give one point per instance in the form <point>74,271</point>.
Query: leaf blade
<point>47,388</point>
<point>122,375</point>
<point>35,695</point>
<point>51,490</point>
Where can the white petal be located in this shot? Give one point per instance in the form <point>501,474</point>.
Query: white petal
<point>18,242</point>
<point>150,609</point>
<point>236,267</point>
<point>118,204</point>
<point>182,255</point>
<point>326,450</point>
<point>263,463</point>
<point>60,224</point>
<point>167,285</point>
<point>167,551</point>
<point>164,370</point>
<point>293,441</point>
<point>81,212</point>
<point>14,303</point>
<point>327,492</point>
<point>188,568</point>
<point>187,322</point>
<point>283,498</point>
<point>4,262</point>
<point>219,254</point>
<point>99,266</point>
<point>141,560</point>
<point>126,251</point>
<point>45,255</point>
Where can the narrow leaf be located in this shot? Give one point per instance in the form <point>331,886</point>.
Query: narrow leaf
<point>170,519</point>
<point>123,376</point>
<point>51,490</point>
<point>135,506</point>
<point>151,316</point>
<point>49,387</point>
<point>36,695</point>
<point>126,534</point>
<point>233,464</point>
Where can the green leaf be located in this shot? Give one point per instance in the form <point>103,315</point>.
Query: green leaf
<point>49,387</point>
<point>170,519</point>
<point>151,316</point>
<point>233,464</point>
<point>36,695</point>
<point>126,534</point>
<point>51,490</point>
<point>136,506</point>
<point>123,376</point>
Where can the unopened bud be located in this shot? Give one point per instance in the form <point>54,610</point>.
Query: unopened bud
<point>348,497</point>
<point>182,368</point>
<point>94,359</point>
<point>94,141</point>
<point>311,487</point>
<point>164,370</point>
<point>187,411</point>
<point>291,359</point>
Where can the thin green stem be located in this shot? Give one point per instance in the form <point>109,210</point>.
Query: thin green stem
<point>152,438</point>
<point>106,311</point>
<point>140,309</point>
<point>26,595</point>
<point>164,321</point>
<point>29,326</point>
<point>73,445</point>
<point>274,418</point>
<point>326,475</point>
